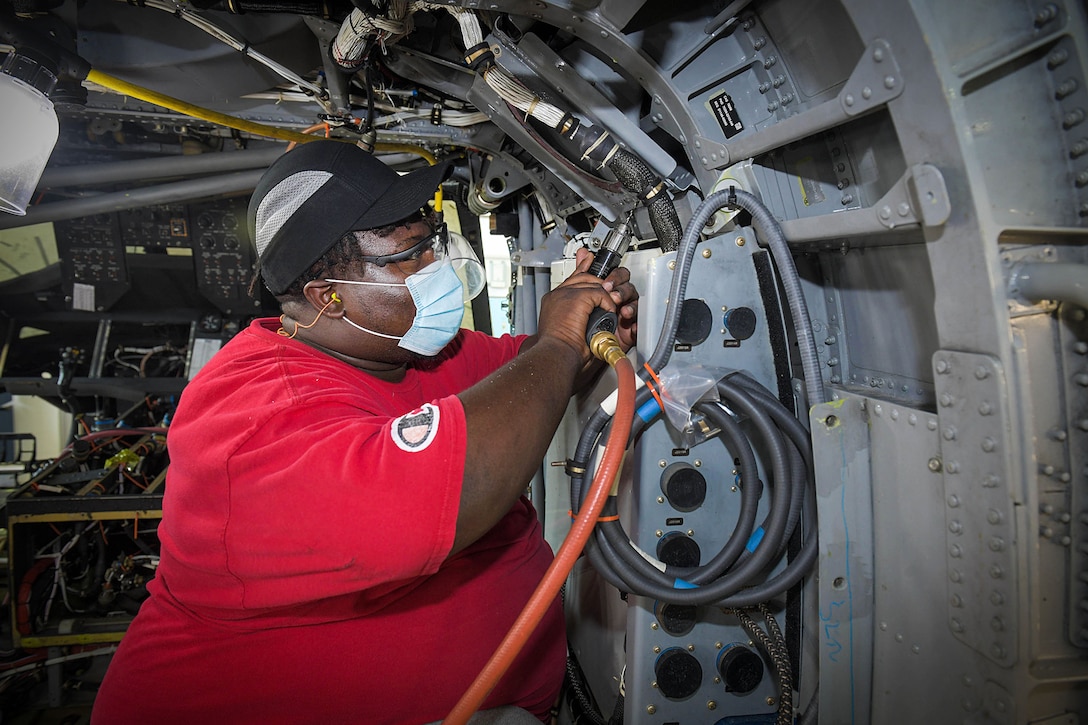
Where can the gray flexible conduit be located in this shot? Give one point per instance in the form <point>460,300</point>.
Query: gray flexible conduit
<point>771,233</point>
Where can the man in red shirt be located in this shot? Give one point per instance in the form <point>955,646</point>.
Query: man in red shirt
<point>345,537</point>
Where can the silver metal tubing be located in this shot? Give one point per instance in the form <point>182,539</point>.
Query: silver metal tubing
<point>202,188</point>
<point>1059,281</point>
<point>157,168</point>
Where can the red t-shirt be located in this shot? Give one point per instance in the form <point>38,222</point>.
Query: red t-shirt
<point>309,512</point>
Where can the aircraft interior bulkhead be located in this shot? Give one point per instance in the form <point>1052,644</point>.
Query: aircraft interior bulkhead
<point>855,485</point>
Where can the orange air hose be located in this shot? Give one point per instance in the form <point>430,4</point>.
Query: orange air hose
<point>564,560</point>
<point>310,130</point>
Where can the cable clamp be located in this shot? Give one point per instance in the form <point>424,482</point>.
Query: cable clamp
<point>650,193</point>
<point>657,390</point>
<point>436,114</point>
<point>732,198</point>
<point>568,124</point>
<point>608,151</point>
<point>572,469</point>
<point>479,54</point>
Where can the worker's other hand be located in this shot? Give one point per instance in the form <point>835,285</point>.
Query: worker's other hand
<point>564,312</point>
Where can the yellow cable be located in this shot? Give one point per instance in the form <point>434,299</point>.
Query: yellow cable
<point>258,129</point>
<point>144,94</point>
<point>407,148</point>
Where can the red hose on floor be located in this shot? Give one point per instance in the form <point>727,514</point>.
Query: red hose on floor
<point>564,560</point>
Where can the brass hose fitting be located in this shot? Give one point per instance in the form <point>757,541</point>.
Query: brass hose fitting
<point>605,346</point>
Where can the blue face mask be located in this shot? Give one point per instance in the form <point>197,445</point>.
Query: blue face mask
<point>439,299</point>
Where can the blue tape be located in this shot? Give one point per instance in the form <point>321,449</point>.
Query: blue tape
<point>755,538</point>
<point>681,584</point>
<point>648,410</point>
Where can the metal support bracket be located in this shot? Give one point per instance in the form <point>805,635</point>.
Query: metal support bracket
<point>336,78</point>
<point>919,197</point>
<point>876,80</point>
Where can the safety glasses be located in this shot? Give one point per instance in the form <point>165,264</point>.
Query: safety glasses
<point>438,241</point>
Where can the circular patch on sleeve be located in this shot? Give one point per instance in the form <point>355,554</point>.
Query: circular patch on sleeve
<point>414,431</point>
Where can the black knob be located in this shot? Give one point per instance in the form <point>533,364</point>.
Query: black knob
<point>695,322</point>
<point>678,673</point>
<point>741,669</point>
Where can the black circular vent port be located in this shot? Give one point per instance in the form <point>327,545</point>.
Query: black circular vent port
<point>741,322</point>
<point>677,549</point>
<point>741,669</point>
<point>678,673</point>
<point>676,619</point>
<point>683,486</point>
<point>695,322</point>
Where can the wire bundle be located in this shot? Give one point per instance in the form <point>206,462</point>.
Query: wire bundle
<point>773,645</point>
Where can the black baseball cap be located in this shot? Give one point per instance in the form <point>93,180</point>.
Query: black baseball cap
<point>316,193</point>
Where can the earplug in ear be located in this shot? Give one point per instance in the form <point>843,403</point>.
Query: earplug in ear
<point>335,297</point>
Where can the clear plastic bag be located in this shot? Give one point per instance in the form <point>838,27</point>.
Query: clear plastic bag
<point>682,386</point>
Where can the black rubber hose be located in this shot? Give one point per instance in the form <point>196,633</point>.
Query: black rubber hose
<point>606,562</point>
<point>611,554</point>
<point>663,583</point>
<point>751,491</point>
<point>793,428</point>
<point>794,571</point>
<point>750,487</point>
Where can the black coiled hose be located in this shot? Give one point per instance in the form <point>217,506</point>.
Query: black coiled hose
<point>732,577</point>
<point>735,576</point>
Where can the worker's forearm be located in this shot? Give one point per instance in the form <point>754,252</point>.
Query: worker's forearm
<point>511,417</point>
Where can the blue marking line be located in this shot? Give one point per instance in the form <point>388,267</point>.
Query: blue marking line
<point>648,410</point>
<point>755,538</point>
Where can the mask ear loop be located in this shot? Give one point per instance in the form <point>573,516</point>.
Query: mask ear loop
<point>283,333</point>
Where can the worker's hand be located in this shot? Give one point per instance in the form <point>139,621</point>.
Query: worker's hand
<point>564,311</point>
